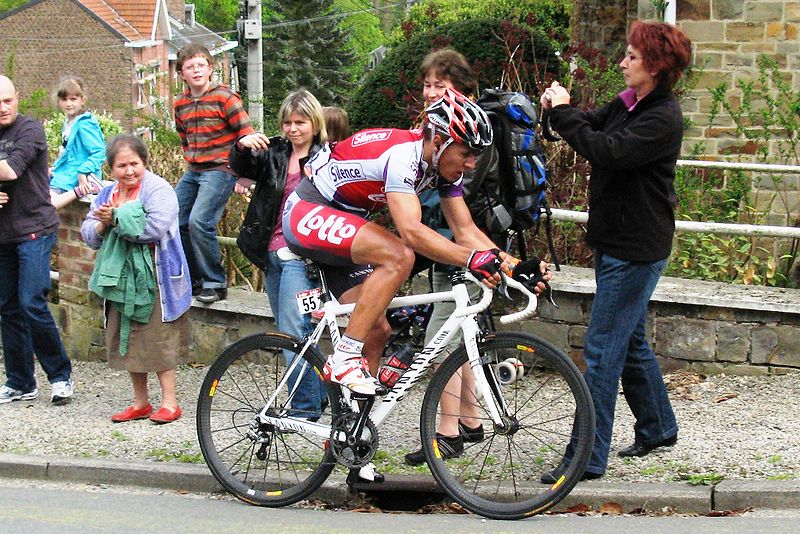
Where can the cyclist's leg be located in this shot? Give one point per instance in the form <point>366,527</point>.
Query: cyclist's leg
<point>378,336</point>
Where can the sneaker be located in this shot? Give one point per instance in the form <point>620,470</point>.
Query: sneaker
<point>8,394</point>
<point>471,435</point>
<point>62,391</point>
<point>352,373</point>
<point>370,474</point>
<point>209,295</point>
<point>448,448</point>
<point>95,186</point>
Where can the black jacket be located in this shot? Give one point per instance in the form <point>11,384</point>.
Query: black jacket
<point>268,168</point>
<point>633,154</point>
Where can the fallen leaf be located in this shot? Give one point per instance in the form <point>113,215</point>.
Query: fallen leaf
<point>579,509</point>
<point>726,396</point>
<point>611,508</point>
<point>729,513</point>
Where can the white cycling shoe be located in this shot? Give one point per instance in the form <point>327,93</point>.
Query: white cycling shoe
<point>352,373</point>
<point>370,474</point>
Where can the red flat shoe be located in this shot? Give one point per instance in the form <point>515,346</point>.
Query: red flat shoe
<point>163,415</point>
<point>130,413</point>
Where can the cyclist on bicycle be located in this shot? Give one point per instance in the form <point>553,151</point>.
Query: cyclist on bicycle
<point>325,219</point>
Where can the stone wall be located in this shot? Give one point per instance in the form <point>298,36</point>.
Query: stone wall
<point>706,326</point>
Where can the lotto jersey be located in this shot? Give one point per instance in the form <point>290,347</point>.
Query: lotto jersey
<point>357,173</point>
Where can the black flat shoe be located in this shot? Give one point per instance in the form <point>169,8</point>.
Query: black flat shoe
<point>640,449</point>
<point>471,435</point>
<point>448,448</point>
<point>551,477</point>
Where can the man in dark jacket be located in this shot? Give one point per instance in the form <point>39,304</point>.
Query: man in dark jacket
<point>28,224</point>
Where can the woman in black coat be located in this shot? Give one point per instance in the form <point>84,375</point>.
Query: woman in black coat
<point>632,144</point>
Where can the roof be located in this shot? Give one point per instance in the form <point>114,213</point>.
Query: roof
<point>105,10</point>
<point>183,34</point>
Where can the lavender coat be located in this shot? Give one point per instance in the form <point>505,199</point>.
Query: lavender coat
<point>161,228</point>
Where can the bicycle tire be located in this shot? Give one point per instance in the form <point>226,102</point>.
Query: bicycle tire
<point>236,388</point>
<point>498,477</point>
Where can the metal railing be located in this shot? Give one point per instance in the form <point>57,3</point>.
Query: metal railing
<point>790,232</point>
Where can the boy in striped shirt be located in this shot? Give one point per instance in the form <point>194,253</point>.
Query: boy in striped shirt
<point>209,117</point>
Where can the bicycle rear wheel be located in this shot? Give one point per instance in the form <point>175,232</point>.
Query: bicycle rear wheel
<point>258,462</point>
<point>546,402</point>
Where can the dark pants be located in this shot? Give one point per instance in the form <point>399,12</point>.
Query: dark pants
<point>616,348</point>
<point>26,324</point>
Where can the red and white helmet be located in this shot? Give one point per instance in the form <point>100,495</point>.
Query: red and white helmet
<point>459,119</point>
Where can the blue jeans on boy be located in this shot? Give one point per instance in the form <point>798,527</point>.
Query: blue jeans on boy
<point>202,197</point>
<point>26,324</point>
<point>284,280</point>
<point>616,347</point>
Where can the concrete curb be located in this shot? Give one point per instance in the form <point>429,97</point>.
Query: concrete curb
<point>679,497</point>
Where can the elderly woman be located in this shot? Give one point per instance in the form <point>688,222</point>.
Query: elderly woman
<point>632,144</point>
<point>142,274</point>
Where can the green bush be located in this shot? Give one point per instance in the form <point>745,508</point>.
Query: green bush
<point>550,15</point>
<point>391,95</point>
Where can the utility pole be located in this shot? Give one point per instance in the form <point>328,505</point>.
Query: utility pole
<point>255,68</point>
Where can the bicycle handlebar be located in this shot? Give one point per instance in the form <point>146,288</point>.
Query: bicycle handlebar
<point>529,310</point>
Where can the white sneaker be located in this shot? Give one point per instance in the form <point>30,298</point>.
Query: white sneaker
<point>62,391</point>
<point>369,473</point>
<point>352,373</point>
<point>8,394</point>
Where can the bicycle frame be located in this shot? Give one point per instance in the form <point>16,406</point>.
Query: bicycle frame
<point>464,317</point>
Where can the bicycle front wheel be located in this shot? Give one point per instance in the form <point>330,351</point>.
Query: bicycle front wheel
<point>543,402</point>
<point>257,462</point>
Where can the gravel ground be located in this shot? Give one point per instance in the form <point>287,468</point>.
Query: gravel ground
<point>736,427</point>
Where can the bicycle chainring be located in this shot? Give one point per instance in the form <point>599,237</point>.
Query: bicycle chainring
<point>349,450</point>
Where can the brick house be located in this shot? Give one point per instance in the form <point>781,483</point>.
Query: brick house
<point>125,50</point>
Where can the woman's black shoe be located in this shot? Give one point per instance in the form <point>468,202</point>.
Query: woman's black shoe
<point>448,448</point>
<point>640,449</point>
<point>551,477</point>
<point>471,435</point>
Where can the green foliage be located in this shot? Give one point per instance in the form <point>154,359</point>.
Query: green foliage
<point>550,15</point>
<point>363,29</point>
<point>37,105</point>
<point>305,46</point>
<point>8,5</point>
<point>766,119</point>
<point>217,15</point>
<point>501,53</point>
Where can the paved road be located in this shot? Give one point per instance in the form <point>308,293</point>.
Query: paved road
<point>32,507</point>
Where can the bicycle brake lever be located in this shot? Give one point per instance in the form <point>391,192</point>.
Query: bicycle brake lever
<point>549,294</point>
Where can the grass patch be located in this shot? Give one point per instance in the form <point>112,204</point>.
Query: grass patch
<point>703,479</point>
<point>119,436</point>
<point>782,476</point>
<point>164,455</point>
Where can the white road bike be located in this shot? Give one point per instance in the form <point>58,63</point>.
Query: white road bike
<point>532,399</point>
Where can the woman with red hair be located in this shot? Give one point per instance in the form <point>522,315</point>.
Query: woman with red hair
<point>632,144</point>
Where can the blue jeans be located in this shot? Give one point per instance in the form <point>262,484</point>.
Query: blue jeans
<point>202,197</point>
<point>26,324</point>
<point>283,280</point>
<point>616,348</point>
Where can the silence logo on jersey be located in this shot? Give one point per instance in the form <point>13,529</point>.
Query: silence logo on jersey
<point>331,228</point>
<point>343,173</point>
<point>362,138</point>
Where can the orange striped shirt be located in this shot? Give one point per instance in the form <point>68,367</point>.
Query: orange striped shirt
<point>208,125</point>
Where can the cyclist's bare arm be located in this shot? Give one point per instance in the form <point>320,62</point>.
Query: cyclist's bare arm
<point>407,214</point>
<point>459,219</point>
